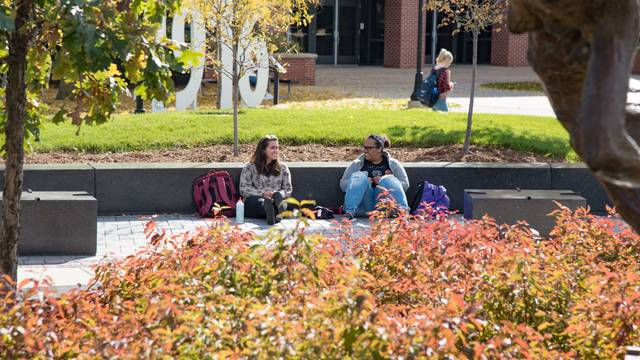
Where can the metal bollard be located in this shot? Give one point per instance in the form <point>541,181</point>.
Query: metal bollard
<point>276,87</point>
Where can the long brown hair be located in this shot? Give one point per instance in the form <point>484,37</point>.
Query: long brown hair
<point>259,158</point>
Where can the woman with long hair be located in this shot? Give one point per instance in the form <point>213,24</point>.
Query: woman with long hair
<point>265,182</point>
<point>443,82</point>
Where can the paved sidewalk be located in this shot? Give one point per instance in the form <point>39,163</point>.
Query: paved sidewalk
<point>121,236</point>
<point>381,82</point>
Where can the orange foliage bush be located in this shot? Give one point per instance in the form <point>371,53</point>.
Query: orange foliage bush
<point>413,287</point>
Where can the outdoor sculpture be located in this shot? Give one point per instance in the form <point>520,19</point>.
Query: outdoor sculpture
<point>582,51</point>
<point>187,97</point>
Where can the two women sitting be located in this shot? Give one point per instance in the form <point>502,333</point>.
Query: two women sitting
<point>265,182</point>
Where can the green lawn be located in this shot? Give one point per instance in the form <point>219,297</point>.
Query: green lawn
<point>532,86</point>
<point>416,127</point>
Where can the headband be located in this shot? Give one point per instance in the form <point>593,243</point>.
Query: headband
<point>378,139</point>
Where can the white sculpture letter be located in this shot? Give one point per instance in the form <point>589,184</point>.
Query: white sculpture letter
<point>256,50</point>
<point>189,95</point>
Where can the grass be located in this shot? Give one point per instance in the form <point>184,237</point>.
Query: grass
<point>532,86</point>
<point>415,127</point>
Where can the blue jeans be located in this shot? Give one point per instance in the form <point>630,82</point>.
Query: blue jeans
<point>361,198</point>
<point>441,105</point>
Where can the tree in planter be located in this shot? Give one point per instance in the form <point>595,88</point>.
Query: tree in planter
<point>471,16</point>
<point>239,29</point>
<point>78,42</point>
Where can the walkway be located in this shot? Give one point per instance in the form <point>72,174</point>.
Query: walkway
<point>380,82</point>
<point>121,236</point>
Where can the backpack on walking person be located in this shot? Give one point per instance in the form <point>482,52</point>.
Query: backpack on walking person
<point>215,188</point>
<point>428,94</point>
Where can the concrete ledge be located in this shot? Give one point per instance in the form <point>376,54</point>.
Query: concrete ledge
<point>509,206</point>
<point>57,177</point>
<point>459,176</point>
<point>578,177</point>
<point>318,181</point>
<point>298,56</point>
<point>58,223</point>
<point>136,188</point>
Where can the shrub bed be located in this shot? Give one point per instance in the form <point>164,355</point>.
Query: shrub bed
<point>410,288</point>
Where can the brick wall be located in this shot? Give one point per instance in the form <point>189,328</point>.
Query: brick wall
<point>508,49</point>
<point>300,67</point>
<point>400,33</point>
<point>636,63</point>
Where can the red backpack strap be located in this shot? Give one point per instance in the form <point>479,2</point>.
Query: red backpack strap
<point>222,192</point>
<point>206,205</point>
<point>232,189</point>
<point>201,195</point>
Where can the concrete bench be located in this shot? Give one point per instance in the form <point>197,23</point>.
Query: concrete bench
<point>58,223</point>
<point>509,206</point>
<point>147,188</point>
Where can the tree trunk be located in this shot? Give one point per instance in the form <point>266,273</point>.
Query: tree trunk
<point>64,90</point>
<point>235,82</point>
<point>219,90</point>
<point>467,138</point>
<point>16,98</point>
<point>219,71</point>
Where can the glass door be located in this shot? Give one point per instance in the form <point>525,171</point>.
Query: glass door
<point>371,30</point>
<point>323,35</point>
<point>348,26</point>
<point>460,45</point>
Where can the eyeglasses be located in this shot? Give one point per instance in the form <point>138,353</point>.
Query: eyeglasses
<point>271,137</point>
<point>369,147</point>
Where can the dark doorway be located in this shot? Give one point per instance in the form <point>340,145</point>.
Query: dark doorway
<point>348,32</point>
<point>371,31</point>
<point>323,35</point>
<point>360,32</point>
<point>460,45</point>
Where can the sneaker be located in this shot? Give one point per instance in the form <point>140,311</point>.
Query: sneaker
<point>270,211</point>
<point>349,216</point>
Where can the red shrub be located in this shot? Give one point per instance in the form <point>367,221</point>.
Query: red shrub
<point>412,287</point>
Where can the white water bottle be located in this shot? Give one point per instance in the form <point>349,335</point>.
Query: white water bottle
<point>240,211</point>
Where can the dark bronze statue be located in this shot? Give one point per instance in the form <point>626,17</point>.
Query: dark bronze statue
<point>583,51</point>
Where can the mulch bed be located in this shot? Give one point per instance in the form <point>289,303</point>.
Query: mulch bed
<point>224,153</point>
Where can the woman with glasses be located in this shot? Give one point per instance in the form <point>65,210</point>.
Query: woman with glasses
<point>364,180</point>
<point>265,182</point>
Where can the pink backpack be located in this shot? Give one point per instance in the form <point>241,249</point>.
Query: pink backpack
<point>215,187</point>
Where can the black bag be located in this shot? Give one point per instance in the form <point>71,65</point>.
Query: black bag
<point>323,213</point>
<point>429,89</point>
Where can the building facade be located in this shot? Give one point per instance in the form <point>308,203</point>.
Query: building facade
<point>384,32</point>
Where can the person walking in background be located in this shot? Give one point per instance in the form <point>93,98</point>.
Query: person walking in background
<point>443,82</point>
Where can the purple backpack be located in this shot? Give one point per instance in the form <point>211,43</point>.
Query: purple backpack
<point>436,195</point>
